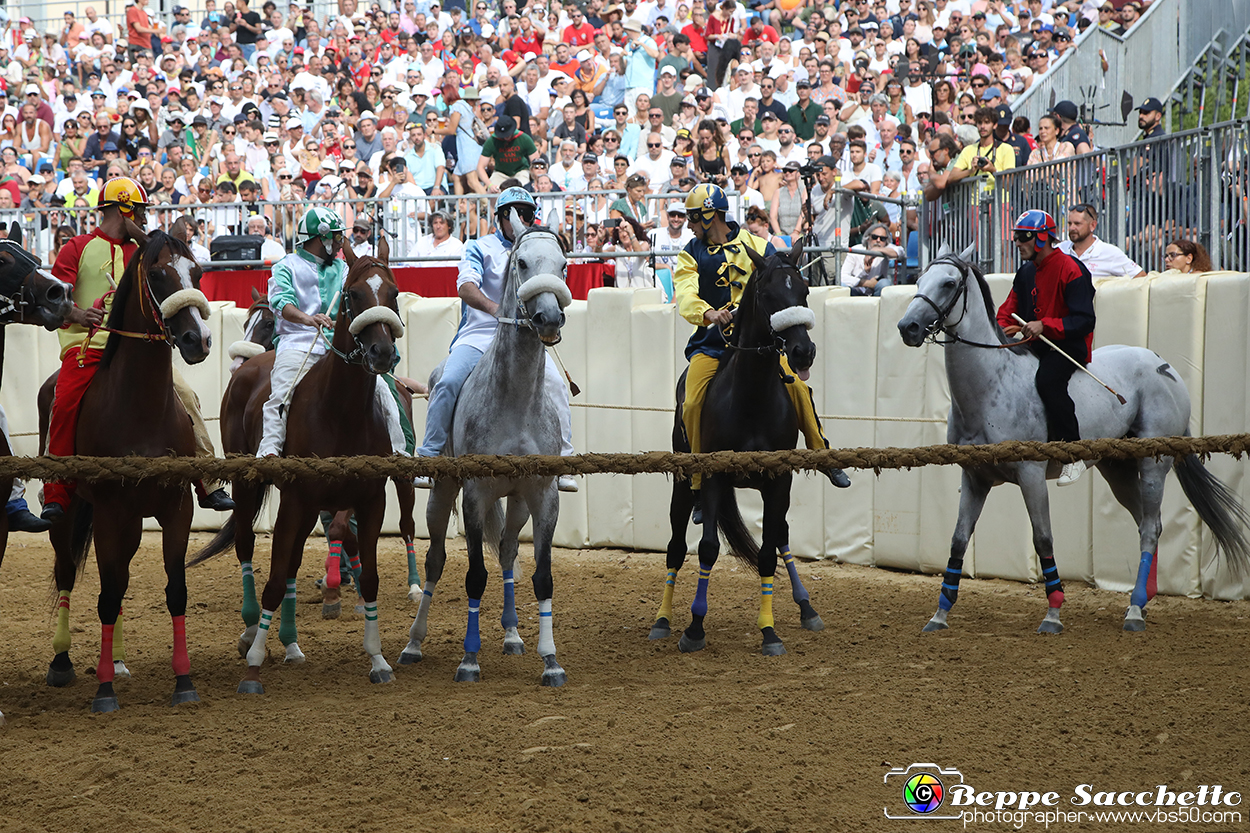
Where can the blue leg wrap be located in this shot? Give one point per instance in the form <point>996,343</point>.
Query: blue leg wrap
<point>950,589</point>
<point>797,591</point>
<point>472,638</point>
<point>1140,595</point>
<point>699,606</point>
<point>509,617</point>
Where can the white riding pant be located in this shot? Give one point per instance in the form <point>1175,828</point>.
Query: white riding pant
<point>286,375</point>
<point>19,485</point>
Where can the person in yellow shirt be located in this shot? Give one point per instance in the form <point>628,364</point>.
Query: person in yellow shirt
<point>987,157</point>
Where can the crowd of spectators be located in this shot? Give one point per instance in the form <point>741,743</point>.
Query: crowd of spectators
<point>395,109</point>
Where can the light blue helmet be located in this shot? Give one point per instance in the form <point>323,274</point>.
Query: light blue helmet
<point>518,197</point>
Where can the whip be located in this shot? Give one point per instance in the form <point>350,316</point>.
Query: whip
<point>1054,347</point>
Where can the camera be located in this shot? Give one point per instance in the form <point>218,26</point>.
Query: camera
<point>808,170</point>
<point>612,223</point>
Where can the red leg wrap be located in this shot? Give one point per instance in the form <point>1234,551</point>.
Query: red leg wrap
<point>182,662</point>
<point>1055,598</point>
<point>104,671</point>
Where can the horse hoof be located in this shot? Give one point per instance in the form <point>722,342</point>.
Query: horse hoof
<point>381,676</point>
<point>61,671</point>
<point>688,646</point>
<point>1135,625</point>
<point>553,674</point>
<point>414,593</point>
<point>469,671</point>
<point>934,625</point>
<point>104,705</point>
<point>245,640</point>
<point>660,630</point>
<point>814,623</point>
<point>331,611</point>
<point>514,649</point>
<point>1050,626</point>
<point>294,656</point>
<point>120,671</point>
<point>359,610</point>
<point>773,649</point>
<point>181,696</point>
<point>410,657</point>
<point>251,687</point>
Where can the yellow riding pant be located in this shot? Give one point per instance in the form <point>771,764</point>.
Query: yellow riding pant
<point>699,376</point>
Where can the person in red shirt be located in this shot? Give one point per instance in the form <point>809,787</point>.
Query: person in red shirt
<point>579,32</point>
<point>694,30</point>
<point>1054,293</point>
<point>530,38</point>
<point>563,60</point>
<point>759,31</point>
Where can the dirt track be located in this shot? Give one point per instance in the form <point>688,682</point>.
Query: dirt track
<point>642,738</point>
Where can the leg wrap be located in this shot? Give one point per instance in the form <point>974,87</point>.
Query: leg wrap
<point>104,671</point>
<point>797,591</point>
<point>546,633</point>
<point>509,617</point>
<point>256,654</point>
<point>353,564</point>
<point>61,638</point>
<point>373,642</point>
<point>1142,589</point>
<point>765,619</point>
<point>950,584</point>
<point>699,606</point>
<point>251,607</point>
<point>472,636</point>
<point>666,602</point>
<point>286,628</point>
<point>333,579</point>
<point>414,576</point>
<point>181,662</point>
<point>1054,587</point>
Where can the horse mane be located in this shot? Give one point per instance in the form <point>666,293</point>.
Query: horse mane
<point>145,253</point>
<point>986,298</point>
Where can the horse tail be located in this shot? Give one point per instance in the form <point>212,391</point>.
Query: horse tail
<point>1220,509</point>
<point>741,543</point>
<point>223,541</point>
<point>80,535</point>
<point>492,527</point>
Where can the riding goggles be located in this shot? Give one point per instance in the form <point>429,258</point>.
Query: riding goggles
<point>1024,236</point>
<point>703,218</point>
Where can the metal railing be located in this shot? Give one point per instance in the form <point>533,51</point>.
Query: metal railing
<point>1190,185</point>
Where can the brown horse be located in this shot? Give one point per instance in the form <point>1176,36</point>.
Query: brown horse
<point>131,408</point>
<point>331,413</point>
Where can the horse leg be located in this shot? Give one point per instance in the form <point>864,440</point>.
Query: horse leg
<point>543,497</point>
<point>407,495</point>
<point>246,506</point>
<point>695,638</point>
<point>369,526</point>
<point>337,531</point>
<point>116,542</point>
<point>1149,528</point>
<point>437,513</point>
<point>776,531</point>
<point>175,527</point>
<point>475,507</point>
<point>61,669</point>
<point>808,617</point>
<point>1032,479</point>
<point>679,509</point>
<point>120,671</point>
<point>972,494</point>
<point>518,514</point>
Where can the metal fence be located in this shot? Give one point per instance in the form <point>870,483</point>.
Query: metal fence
<point>1190,185</point>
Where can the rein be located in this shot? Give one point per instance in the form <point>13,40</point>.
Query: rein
<point>931,332</point>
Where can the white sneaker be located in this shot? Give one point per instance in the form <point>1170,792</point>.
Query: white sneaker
<point>1071,473</point>
<point>423,482</point>
<point>567,483</point>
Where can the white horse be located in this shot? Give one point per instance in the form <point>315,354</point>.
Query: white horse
<point>994,399</point>
<point>505,408</point>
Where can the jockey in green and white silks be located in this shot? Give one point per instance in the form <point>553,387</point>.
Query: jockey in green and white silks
<point>304,290</point>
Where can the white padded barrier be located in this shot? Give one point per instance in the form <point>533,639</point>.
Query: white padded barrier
<point>652,384</point>
<point>1226,377</point>
<point>573,528</point>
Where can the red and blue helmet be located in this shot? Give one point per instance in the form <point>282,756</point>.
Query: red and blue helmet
<point>1041,224</point>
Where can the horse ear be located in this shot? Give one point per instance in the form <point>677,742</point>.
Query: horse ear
<point>943,250</point>
<point>15,233</point>
<point>796,254</point>
<point>255,294</point>
<point>518,225</point>
<point>756,258</point>
<point>384,248</point>
<point>348,253</point>
<point>967,254</point>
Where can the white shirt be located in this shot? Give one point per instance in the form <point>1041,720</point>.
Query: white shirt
<point>1103,259</point>
<point>662,239</point>
<point>655,170</point>
<point>450,249</point>
<point>483,264</point>
<point>571,178</point>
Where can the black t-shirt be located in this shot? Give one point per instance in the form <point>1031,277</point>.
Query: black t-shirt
<point>516,107</point>
<point>244,36</point>
<point>1021,146</point>
<point>1076,136</point>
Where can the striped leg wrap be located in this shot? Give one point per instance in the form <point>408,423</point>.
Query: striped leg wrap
<point>950,584</point>
<point>256,654</point>
<point>472,636</point>
<point>251,606</point>
<point>414,576</point>
<point>666,602</point>
<point>333,578</point>
<point>798,591</point>
<point>181,662</point>
<point>286,628</point>
<point>1054,587</point>
<point>546,634</point>
<point>765,619</point>
<point>1143,590</point>
<point>373,642</point>
<point>509,617</point>
<point>61,638</point>
<point>353,564</point>
<point>699,606</point>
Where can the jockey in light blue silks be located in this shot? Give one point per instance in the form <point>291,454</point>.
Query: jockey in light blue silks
<point>304,290</point>
<point>480,286</point>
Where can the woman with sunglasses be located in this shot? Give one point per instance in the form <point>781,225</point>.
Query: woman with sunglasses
<point>8,132</point>
<point>633,205</point>
<point>73,143</point>
<point>945,98</point>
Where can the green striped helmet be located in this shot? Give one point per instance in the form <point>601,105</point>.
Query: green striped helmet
<point>319,222</point>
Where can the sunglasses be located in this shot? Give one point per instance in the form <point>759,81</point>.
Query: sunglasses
<point>654,145</point>
<point>1024,236</point>
<point>349,147</point>
<point>611,139</point>
<point>753,156</point>
<point>879,238</point>
<point>283,176</point>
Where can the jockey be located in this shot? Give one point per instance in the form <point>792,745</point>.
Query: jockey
<point>1054,293</point>
<point>304,292</point>
<point>480,286</point>
<point>712,272</point>
<point>92,264</point>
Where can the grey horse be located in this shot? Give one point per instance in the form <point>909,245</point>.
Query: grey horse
<point>505,408</point>
<point>994,399</point>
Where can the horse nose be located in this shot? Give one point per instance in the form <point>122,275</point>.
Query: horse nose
<point>378,356</point>
<point>543,318</point>
<point>195,342</point>
<point>57,293</point>
<point>909,330</point>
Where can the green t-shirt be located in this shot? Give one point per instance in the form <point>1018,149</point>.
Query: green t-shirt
<point>804,119</point>
<point>511,156</point>
<point>670,104</point>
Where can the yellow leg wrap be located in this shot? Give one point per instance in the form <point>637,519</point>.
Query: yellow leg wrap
<point>60,637</point>
<point>119,647</point>
<point>666,603</point>
<point>698,377</point>
<point>766,603</point>
<point>801,396</point>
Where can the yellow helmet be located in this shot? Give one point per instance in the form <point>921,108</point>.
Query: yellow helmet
<point>123,192</point>
<point>707,197</point>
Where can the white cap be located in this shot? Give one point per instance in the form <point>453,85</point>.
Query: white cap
<point>293,122</point>
<point>584,55</point>
<point>330,164</point>
<point>367,114</point>
<point>668,70</point>
<point>36,179</point>
<point>30,88</point>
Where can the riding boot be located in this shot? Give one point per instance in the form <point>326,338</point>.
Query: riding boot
<point>838,478</point>
<point>218,501</point>
<point>52,512</point>
<point>23,520</point>
<point>696,511</point>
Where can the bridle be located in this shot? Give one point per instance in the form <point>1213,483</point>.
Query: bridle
<point>13,303</point>
<point>356,322</point>
<point>535,284</point>
<point>779,321</point>
<point>931,331</point>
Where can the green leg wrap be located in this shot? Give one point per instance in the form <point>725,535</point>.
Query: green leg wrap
<point>286,630</point>
<point>414,576</point>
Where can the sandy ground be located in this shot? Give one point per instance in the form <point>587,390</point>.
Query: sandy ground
<point>643,738</point>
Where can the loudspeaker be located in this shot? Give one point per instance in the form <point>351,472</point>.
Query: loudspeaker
<point>236,247</point>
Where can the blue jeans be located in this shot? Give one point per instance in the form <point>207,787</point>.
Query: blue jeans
<point>442,407</point>
<point>248,50</point>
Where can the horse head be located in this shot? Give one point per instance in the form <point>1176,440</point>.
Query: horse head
<point>368,319</point>
<point>939,292</point>
<point>535,291</point>
<point>167,279</point>
<point>28,294</point>
<point>780,313</point>
<point>259,330</point>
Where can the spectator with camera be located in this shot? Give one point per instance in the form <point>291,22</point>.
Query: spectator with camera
<point>986,157</point>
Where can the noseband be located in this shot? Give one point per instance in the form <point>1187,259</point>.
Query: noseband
<point>931,331</point>
<point>535,285</point>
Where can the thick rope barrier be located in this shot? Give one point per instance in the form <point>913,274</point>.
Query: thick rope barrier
<point>287,469</point>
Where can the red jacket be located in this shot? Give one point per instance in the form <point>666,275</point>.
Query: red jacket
<point>1060,294</point>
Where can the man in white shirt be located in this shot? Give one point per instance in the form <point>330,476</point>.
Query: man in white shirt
<point>768,138</point>
<point>431,68</point>
<point>864,175</point>
<point>654,163</point>
<point>672,237</point>
<point>440,242</point>
<point>567,172</point>
<point>747,88</point>
<point>788,150</point>
<point>1102,259</point>
<point>744,197</point>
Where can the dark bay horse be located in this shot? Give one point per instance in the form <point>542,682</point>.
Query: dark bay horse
<point>259,332</point>
<point>131,408</point>
<point>331,414</point>
<point>747,409</point>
